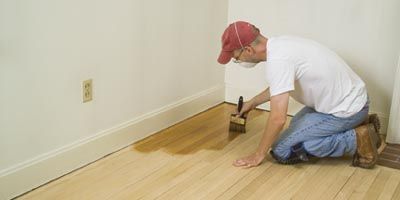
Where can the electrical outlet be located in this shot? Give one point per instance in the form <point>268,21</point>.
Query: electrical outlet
<point>87,87</point>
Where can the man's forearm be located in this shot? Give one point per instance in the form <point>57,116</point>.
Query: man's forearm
<point>276,121</point>
<point>261,98</point>
<point>271,131</point>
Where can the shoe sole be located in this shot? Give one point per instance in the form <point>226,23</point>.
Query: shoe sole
<point>374,119</point>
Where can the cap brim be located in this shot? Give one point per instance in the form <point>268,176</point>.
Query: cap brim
<point>224,57</point>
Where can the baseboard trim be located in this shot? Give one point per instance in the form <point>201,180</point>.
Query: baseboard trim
<point>35,172</point>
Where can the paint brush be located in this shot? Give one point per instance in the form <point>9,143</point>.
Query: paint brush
<point>237,121</point>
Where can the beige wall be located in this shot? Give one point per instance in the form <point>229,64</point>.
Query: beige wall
<point>364,32</point>
<point>141,55</point>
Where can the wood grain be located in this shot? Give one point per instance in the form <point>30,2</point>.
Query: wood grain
<point>193,160</point>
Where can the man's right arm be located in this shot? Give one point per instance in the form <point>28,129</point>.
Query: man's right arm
<point>261,98</point>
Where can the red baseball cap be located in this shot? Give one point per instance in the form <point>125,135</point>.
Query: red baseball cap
<point>236,36</point>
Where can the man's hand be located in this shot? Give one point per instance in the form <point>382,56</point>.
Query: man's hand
<point>247,107</point>
<point>252,160</point>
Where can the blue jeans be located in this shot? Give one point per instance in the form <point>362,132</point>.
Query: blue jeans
<point>321,135</point>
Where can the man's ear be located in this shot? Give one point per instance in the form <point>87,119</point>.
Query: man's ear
<point>250,50</point>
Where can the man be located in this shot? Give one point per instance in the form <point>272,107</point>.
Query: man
<point>334,121</point>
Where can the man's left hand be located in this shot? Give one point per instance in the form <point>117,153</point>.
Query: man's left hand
<point>252,160</point>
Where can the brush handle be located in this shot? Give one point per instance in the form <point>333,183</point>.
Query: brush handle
<point>240,104</point>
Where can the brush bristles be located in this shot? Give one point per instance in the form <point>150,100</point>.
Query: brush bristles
<point>237,128</point>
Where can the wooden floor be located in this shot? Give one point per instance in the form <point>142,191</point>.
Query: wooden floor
<point>193,160</point>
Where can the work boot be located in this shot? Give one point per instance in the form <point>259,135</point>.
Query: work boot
<point>366,154</point>
<point>301,153</point>
<point>290,161</point>
<point>374,119</point>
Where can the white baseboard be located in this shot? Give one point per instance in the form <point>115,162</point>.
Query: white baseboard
<point>25,176</point>
<point>232,94</point>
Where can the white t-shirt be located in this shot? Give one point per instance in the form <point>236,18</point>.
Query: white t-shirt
<point>315,76</point>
